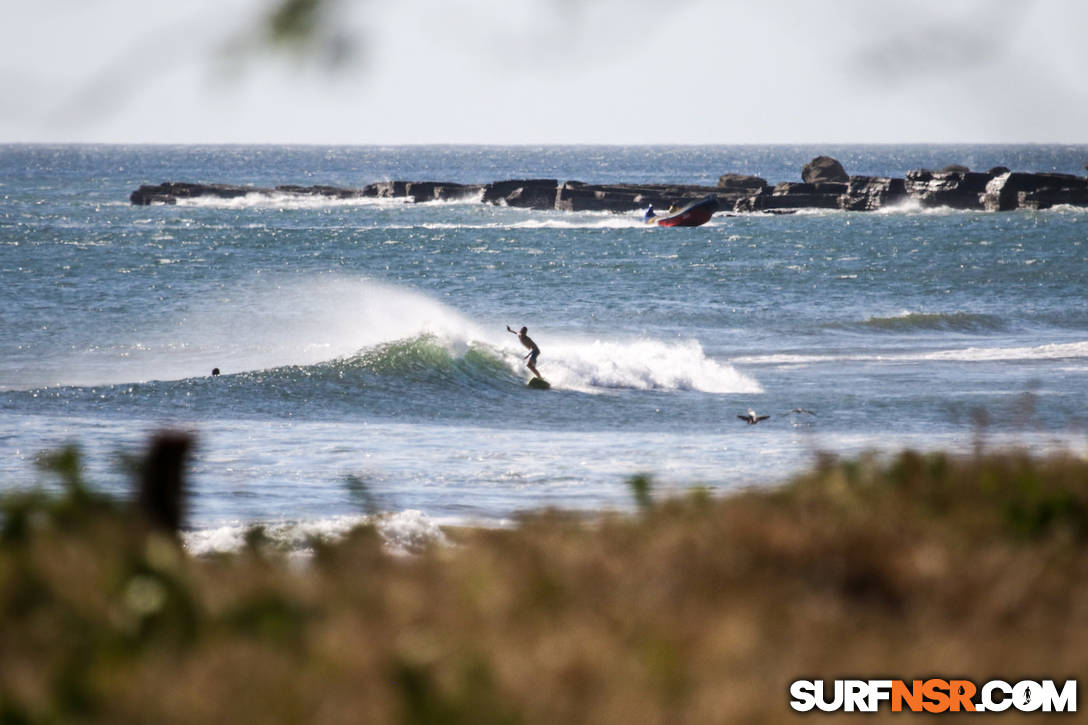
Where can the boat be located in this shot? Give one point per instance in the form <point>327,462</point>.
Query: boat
<point>694,214</point>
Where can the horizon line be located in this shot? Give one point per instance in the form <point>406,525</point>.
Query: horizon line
<point>686,144</point>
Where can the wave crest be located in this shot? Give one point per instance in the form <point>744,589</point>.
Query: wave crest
<point>582,366</point>
<point>426,358</point>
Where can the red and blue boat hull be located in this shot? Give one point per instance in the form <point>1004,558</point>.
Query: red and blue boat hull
<point>694,214</point>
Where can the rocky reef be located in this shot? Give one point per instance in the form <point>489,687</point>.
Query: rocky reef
<point>824,185</point>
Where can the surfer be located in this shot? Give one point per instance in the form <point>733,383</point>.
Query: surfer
<point>650,214</point>
<point>534,351</point>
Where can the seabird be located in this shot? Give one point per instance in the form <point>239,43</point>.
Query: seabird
<point>752,418</point>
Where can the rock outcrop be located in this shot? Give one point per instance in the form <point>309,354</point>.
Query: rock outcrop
<point>170,192</point>
<point>422,191</point>
<point>524,193</point>
<point>826,185</point>
<point>824,169</point>
<point>579,196</point>
<point>419,191</point>
<point>869,193</point>
<point>956,188</point>
<point>1015,190</point>
<point>792,195</point>
<point>741,183</point>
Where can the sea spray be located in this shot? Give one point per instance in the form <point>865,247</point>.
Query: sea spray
<point>260,324</point>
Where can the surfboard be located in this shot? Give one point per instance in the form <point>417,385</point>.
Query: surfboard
<point>539,384</point>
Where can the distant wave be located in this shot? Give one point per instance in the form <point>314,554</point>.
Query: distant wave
<point>927,321</point>
<point>1055,351</point>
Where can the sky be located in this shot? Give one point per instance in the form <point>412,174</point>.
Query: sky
<point>548,71</point>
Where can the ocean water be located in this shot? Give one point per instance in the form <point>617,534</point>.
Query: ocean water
<point>363,343</point>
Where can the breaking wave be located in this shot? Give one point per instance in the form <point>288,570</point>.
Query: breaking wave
<point>583,366</point>
<point>335,325</point>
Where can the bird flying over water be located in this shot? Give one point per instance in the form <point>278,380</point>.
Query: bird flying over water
<point>751,418</point>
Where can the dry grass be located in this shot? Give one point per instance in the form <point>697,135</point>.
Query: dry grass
<point>695,610</point>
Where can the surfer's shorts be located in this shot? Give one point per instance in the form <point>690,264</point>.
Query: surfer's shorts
<point>533,356</point>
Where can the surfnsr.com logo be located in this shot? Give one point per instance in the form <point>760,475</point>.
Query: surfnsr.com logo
<point>933,696</point>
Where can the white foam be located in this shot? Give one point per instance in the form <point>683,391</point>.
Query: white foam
<point>611,221</point>
<point>409,531</point>
<point>257,200</point>
<point>642,364</point>
<point>403,532</point>
<point>1066,209</point>
<point>1054,351</point>
<point>210,541</point>
<point>288,535</point>
<point>914,206</point>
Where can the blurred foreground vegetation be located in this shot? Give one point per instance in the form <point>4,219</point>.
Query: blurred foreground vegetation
<point>695,609</point>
